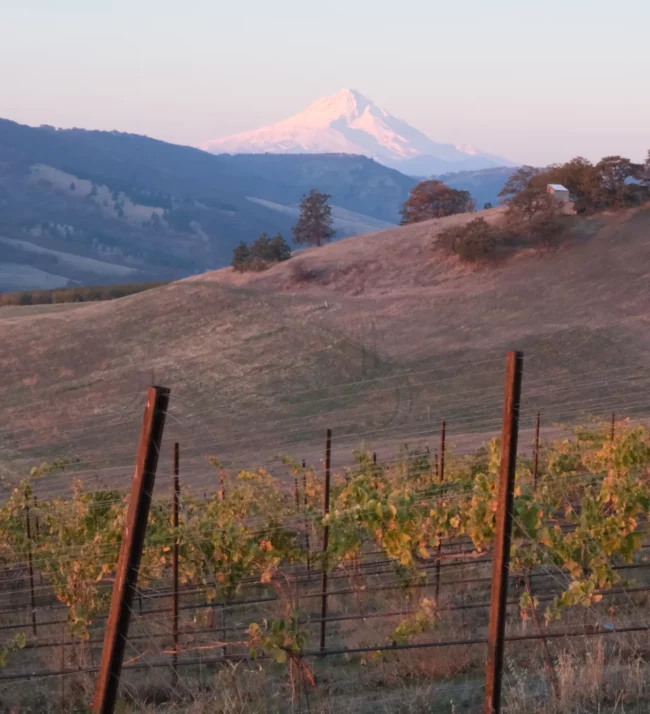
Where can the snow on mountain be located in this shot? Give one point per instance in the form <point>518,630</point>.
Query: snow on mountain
<point>349,123</point>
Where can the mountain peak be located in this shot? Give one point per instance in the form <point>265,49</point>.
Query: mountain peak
<point>348,104</point>
<point>348,122</point>
<point>345,97</point>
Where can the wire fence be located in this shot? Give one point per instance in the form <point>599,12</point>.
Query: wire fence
<point>369,596</point>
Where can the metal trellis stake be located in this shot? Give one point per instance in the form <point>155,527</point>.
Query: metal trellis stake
<point>126,579</point>
<point>441,475</point>
<point>501,559</point>
<point>175,507</point>
<point>443,437</point>
<point>326,537</point>
<point>307,523</point>
<point>30,566</point>
<point>536,452</point>
<point>36,520</point>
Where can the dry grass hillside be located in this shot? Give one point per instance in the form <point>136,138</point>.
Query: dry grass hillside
<point>408,335</point>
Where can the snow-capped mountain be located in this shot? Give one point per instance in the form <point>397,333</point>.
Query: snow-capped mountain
<point>349,123</point>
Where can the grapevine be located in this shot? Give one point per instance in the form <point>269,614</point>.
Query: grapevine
<point>586,516</point>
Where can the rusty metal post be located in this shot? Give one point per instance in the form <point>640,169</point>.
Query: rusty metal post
<point>536,453</point>
<point>501,557</point>
<point>224,632</point>
<point>326,538</point>
<point>63,667</point>
<point>443,433</point>
<point>30,566</point>
<point>175,507</point>
<point>307,523</point>
<point>441,477</point>
<point>37,525</point>
<point>126,577</point>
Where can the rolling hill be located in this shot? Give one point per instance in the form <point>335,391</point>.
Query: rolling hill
<point>377,337</point>
<point>90,207</point>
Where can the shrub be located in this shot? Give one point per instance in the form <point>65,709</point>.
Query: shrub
<point>301,272</point>
<point>272,250</point>
<point>263,252</point>
<point>474,241</point>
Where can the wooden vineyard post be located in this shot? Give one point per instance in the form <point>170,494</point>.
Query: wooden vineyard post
<point>126,577</point>
<point>536,453</point>
<point>501,557</point>
<point>326,537</point>
<point>612,430</point>
<point>441,478</point>
<point>30,566</point>
<point>175,507</point>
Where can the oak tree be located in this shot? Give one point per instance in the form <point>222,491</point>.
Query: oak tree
<point>519,181</point>
<point>614,174</point>
<point>434,199</point>
<point>476,240</point>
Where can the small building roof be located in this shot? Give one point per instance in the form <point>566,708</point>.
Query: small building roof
<point>558,187</point>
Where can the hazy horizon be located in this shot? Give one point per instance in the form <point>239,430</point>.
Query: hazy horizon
<point>535,89</point>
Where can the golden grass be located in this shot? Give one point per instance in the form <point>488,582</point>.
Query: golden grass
<point>251,361</point>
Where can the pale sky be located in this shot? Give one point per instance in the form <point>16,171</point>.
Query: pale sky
<point>534,81</point>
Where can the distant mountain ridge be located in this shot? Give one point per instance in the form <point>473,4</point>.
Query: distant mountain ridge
<point>484,184</point>
<point>93,207</point>
<point>348,122</point>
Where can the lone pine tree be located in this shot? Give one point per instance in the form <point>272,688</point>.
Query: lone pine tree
<point>241,255</point>
<point>314,226</point>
